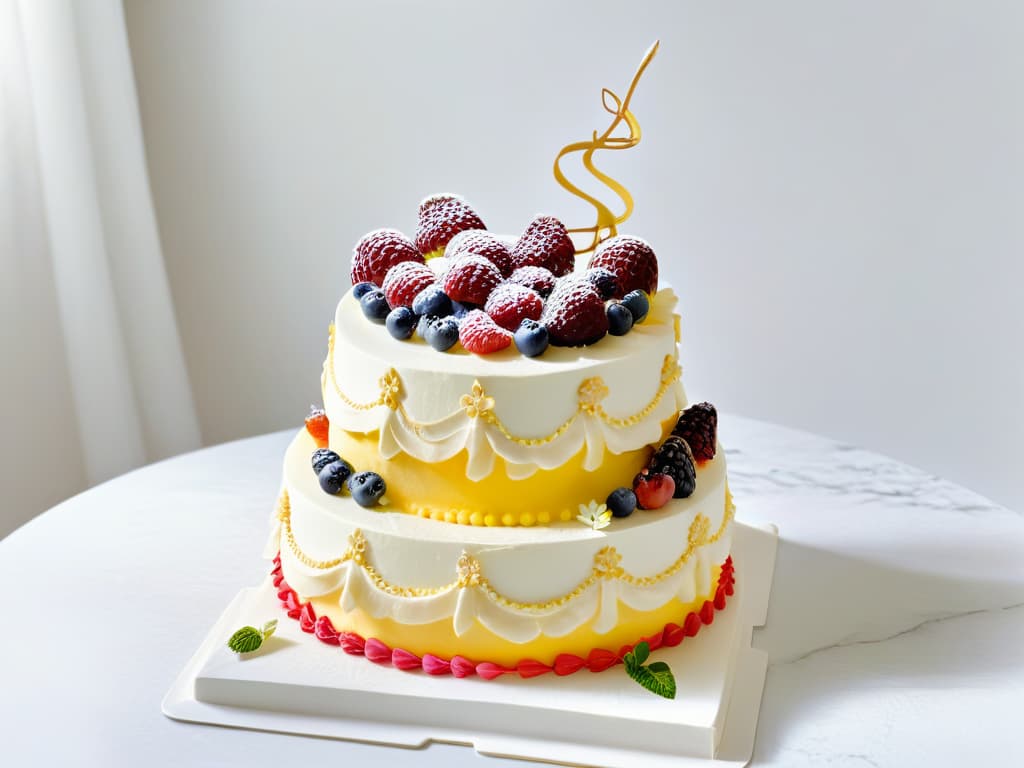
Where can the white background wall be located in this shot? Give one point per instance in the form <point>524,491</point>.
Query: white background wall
<point>835,189</point>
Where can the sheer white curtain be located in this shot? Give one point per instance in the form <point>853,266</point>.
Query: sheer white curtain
<point>94,381</point>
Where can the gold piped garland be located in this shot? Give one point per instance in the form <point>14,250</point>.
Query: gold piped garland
<point>607,563</point>
<point>477,404</point>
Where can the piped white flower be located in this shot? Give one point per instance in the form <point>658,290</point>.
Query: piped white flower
<point>597,516</point>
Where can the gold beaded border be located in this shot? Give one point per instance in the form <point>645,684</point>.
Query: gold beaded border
<point>469,573</point>
<point>478,405</point>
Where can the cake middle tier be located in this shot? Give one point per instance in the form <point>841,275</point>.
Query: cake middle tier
<point>502,439</point>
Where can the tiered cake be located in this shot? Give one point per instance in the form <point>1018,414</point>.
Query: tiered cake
<point>505,474</point>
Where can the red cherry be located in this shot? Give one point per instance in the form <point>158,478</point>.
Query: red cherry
<point>653,491</point>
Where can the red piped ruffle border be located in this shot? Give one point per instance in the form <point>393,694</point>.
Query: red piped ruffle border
<point>597,660</point>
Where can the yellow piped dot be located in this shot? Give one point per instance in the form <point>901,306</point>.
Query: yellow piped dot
<point>508,519</point>
<point>565,515</point>
<point>450,516</point>
<point>477,518</point>
<point>462,516</point>
<point>490,520</point>
<point>436,514</point>
<point>526,519</point>
<point>544,517</point>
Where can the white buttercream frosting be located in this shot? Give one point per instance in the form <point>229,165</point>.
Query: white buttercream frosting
<point>537,420</point>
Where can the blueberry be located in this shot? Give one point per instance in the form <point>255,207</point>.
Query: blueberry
<point>333,476</point>
<point>366,488</point>
<point>460,310</point>
<point>322,457</point>
<point>432,301</point>
<point>374,305</point>
<point>361,289</point>
<point>531,338</point>
<point>622,502</point>
<point>604,280</point>
<point>620,319</point>
<point>424,323</point>
<point>637,303</point>
<point>400,322</point>
<point>442,333</point>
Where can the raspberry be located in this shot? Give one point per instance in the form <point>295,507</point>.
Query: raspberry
<point>318,426</point>
<point>674,459</point>
<point>471,279</point>
<point>574,314</point>
<point>480,242</point>
<point>631,260</point>
<point>546,243</point>
<point>509,304</point>
<point>481,335</point>
<point>697,425</point>
<point>404,281</point>
<point>441,218</point>
<point>538,278</point>
<point>377,252</point>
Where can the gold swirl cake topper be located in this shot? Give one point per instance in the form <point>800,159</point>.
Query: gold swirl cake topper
<point>607,222</point>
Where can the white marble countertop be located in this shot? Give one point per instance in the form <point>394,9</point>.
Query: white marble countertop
<point>895,632</point>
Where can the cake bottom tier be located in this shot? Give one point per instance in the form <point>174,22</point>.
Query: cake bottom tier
<point>498,593</point>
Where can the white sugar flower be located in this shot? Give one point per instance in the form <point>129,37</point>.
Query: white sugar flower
<point>597,516</point>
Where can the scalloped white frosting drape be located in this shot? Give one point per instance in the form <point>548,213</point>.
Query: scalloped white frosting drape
<point>74,192</point>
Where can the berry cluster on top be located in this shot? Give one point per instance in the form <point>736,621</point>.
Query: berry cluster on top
<point>459,283</point>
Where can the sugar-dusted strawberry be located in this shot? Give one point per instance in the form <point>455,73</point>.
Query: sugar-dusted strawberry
<point>509,304</point>
<point>538,278</point>
<point>377,252</point>
<point>574,314</point>
<point>631,260</point>
<point>698,425</point>
<point>441,218</point>
<point>471,279</point>
<point>546,243</point>
<point>318,426</point>
<point>481,335</point>
<point>404,280</point>
<point>480,242</point>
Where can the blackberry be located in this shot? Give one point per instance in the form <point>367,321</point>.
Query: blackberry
<point>604,280</point>
<point>675,459</point>
<point>698,426</point>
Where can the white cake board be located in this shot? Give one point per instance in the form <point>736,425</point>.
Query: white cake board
<point>296,684</point>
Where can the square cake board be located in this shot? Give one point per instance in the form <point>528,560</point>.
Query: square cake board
<point>296,684</point>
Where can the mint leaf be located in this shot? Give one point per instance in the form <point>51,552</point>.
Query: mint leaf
<point>246,640</point>
<point>656,677</point>
<point>641,651</point>
<point>268,628</point>
<point>660,682</point>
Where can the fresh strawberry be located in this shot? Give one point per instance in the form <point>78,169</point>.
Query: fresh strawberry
<point>480,242</point>
<point>404,280</point>
<point>574,314</point>
<point>471,279</point>
<point>538,278</point>
<point>318,426</point>
<point>509,304</point>
<point>546,243</point>
<point>697,425</point>
<point>377,252</point>
<point>631,260</point>
<point>653,489</point>
<point>441,218</point>
<point>481,335</point>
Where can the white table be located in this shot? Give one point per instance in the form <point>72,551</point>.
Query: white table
<point>895,632</point>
